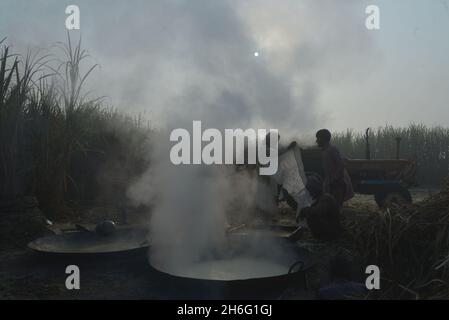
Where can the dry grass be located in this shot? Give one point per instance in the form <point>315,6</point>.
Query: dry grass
<point>54,138</point>
<point>410,244</point>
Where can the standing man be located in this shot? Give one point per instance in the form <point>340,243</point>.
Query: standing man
<point>336,179</point>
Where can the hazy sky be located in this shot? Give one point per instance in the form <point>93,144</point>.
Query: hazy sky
<point>318,66</point>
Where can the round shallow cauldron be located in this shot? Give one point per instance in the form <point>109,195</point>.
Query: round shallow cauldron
<point>263,266</point>
<point>88,243</point>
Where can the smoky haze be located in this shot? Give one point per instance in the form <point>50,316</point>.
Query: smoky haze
<point>178,61</point>
<point>195,60</point>
<point>202,67</point>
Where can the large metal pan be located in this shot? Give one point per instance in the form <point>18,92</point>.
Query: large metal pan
<point>297,262</point>
<point>86,242</point>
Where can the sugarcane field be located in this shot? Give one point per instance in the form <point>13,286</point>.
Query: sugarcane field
<point>194,150</point>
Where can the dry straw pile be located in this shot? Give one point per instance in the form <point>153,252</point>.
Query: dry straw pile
<point>410,244</point>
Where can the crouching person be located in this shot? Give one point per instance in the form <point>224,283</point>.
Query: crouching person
<point>323,216</point>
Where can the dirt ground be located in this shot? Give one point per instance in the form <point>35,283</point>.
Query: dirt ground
<point>25,274</point>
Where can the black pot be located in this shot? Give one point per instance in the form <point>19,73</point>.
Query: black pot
<point>297,261</point>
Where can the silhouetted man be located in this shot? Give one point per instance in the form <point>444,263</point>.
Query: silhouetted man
<point>323,216</point>
<point>336,179</point>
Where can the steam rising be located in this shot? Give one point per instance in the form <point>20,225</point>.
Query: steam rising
<point>201,66</point>
<point>176,61</point>
<point>189,217</point>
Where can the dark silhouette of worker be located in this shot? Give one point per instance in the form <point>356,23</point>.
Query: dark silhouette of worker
<point>336,179</point>
<point>323,216</point>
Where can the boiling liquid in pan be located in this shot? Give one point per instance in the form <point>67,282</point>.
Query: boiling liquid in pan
<point>232,269</point>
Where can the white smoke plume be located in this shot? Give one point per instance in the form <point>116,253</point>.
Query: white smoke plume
<point>175,61</point>
<point>180,60</point>
<point>201,66</point>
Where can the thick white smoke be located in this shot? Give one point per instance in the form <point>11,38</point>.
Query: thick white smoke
<point>189,203</point>
<point>200,65</point>
<point>181,60</point>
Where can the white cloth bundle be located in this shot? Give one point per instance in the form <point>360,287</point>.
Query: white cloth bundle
<point>291,176</point>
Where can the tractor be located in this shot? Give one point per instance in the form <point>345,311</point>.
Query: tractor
<point>387,179</point>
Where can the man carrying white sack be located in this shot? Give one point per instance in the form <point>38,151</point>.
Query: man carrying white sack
<point>292,179</point>
<point>288,184</point>
<point>315,210</point>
